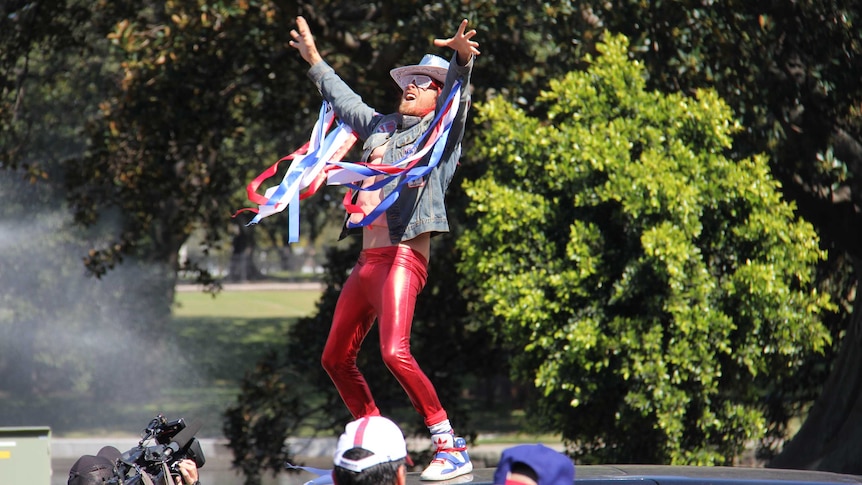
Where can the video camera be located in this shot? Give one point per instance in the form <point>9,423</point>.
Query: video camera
<point>163,445</point>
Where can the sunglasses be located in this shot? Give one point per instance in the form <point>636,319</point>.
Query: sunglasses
<point>421,81</point>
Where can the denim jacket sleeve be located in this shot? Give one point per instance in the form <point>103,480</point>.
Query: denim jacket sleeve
<point>347,104</point>
<point>463,73</point>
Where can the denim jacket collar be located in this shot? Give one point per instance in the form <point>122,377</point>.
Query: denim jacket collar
<point>408,121</point>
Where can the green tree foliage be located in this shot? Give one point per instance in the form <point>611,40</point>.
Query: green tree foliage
<point>653,289</point>
<point>790,71</point>
<point>30,35</point>
<point>162,151</point>
<point>64,339</point>
<point>199,96</point>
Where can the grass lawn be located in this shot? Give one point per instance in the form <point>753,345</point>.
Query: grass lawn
<point>222,337</point>
<point>246,304</point>
<point>215,342</point>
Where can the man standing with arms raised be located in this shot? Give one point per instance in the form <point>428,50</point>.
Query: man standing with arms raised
<point>392,267</point>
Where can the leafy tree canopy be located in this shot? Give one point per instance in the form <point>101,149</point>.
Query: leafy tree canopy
<point>653,289</point>
<point>790,70</point>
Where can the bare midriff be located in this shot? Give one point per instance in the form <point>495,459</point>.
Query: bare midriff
<point>376,234</point>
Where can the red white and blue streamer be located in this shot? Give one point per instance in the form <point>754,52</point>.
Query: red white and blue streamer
<point>319,160</point>
<point>405,170</point>
<point>306,171</point>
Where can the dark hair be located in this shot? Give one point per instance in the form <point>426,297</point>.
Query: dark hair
<point>526,470</point>
<point>381,474</point>
<point>91,470</point>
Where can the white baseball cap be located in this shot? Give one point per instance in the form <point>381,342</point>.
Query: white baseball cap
<point>376,434</point>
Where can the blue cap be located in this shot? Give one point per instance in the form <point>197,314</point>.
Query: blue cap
<point>551,467</point>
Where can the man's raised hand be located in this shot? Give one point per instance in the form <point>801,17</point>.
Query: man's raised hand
<point>303,41</point>
<point>462,42</point>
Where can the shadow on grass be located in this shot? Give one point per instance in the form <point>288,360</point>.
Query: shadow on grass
<point>223,349</point>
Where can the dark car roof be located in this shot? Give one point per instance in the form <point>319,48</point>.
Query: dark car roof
<point>671,475</point>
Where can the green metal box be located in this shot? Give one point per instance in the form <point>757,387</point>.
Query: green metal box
<point>25,456</point>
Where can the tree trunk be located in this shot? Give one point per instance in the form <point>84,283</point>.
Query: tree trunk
<point>242,267</point>
<point>831,436</point>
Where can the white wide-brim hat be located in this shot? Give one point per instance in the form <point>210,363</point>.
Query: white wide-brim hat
<point>433,66</point>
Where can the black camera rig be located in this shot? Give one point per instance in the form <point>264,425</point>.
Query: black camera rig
<point>155,460</point>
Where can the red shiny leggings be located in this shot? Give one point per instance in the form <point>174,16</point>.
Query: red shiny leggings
<point>384,284</point>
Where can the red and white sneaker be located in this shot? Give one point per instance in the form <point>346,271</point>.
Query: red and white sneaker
<point>450,460</point>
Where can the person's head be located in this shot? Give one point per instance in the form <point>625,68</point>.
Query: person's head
<point>534,465</point>
<point>111,453</point>
<point>420,85</point>
<point>371,451</point>
<point>91,470</point>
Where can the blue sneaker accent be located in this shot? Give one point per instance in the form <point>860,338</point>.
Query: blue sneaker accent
<point>450,460</point>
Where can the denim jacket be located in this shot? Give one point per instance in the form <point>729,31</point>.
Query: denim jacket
<point>420,208</point>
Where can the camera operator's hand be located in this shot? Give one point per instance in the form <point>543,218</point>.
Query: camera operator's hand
<point>189,471</point>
